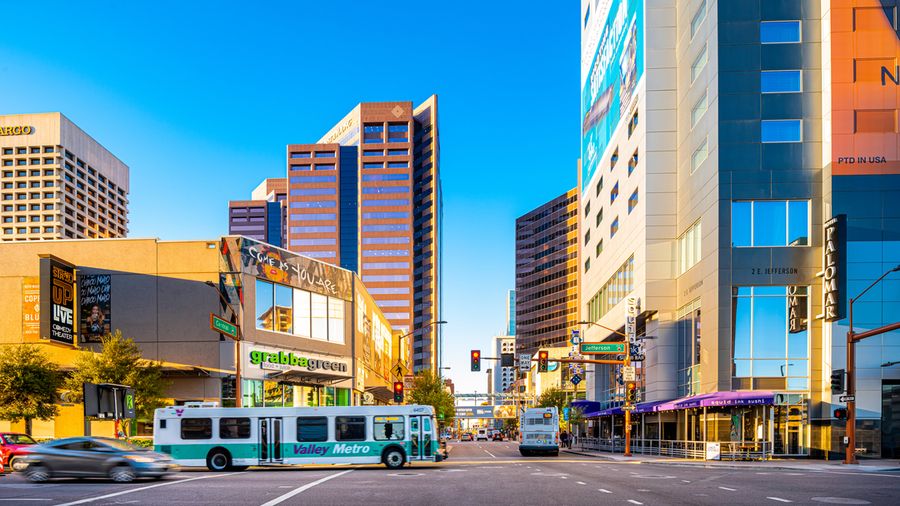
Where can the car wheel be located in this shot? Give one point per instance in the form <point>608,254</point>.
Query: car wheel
<point>122,473</point>
<point>393,458</point>
<point>37,473</point>
<point>17,464</point>
<point>218,460</point>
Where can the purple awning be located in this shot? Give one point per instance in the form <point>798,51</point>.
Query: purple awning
<point>585,406</point>
<point>716,399</point>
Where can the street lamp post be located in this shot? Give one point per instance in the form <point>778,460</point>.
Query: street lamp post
<point>852,339</point>
<point>238,398</point>
<point>625,363</point>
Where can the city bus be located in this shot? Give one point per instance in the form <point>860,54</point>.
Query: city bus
<point>234,438</point>
<point>539,431</point>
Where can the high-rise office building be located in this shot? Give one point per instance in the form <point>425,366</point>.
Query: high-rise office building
<point>263,216</point>
<point>716,145</point>
<point>511,313</point>
<point>366,197</point>
<point>503,376</point>
<point>546,295</point>
<point>58,182</point>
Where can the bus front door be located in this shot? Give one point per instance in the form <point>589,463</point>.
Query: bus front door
<point>270,441</point>
<point>420,434</point>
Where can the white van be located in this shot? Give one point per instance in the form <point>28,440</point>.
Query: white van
<point>481,435</point>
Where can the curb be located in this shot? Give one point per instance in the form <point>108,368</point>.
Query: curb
<point>710,465</point>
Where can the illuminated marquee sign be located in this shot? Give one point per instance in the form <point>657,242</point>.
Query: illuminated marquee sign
<point>57,300</point>
<point>16,130</point>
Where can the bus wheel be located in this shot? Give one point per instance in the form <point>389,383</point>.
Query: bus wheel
<point>218,459</point>
<point>393,458</point>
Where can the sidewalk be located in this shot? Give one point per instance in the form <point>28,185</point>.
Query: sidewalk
<point>865,465</point>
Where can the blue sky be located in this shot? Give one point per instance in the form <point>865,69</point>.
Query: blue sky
<point>200,99</point>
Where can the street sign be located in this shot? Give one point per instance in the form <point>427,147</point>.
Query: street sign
<point>222,326</point>
<point>848,398</point>
<point>628,408</point>
<point>576,338</point>
<point>408,381</point>
<point>524,361</point>
<point>628,373</point>
<point>575,379</point>
<point>602,348</point>
<point>398,370</point>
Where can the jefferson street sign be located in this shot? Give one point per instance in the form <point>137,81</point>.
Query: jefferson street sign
<point>602,348</point>
<point>223,327</point>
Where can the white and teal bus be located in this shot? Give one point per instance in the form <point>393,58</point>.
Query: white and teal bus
<point>539,431</point>
<point>234,438</point>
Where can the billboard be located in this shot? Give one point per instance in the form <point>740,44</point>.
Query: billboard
<point>865,99</point>
<point>612,63</point>
<point>94,306</point>
<point>57,300</point>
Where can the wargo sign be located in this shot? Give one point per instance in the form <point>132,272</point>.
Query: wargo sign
<point>16,130</point>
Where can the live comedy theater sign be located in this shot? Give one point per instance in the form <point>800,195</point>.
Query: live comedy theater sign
<point>57,300</point>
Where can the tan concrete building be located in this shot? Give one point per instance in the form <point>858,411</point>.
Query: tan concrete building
<point>57,182</point>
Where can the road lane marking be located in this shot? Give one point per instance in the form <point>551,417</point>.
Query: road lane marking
<point>491,454</point>
<point>604,491</point>
<point>292,493</point>
<point>632,501</point>
<point>116,494</point>
<point>728,489</point>
<point>779,499</point>
<point>25,499</point>
<point>581,483</point>
<point>686,481</point>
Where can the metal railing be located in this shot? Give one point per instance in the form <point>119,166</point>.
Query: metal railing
<point>729,450</point>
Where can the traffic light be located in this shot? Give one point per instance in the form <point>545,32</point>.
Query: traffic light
<point>476,360</point>
<point>398,392</point>
<point>543,361</point>
<point>837,382</point>
<point>631,392</point>
<point>840,413</point>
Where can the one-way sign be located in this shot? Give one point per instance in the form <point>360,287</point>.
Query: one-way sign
<point>848,398</point>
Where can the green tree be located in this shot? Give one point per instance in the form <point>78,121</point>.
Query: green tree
<point>428,389</point>
<point>119,361</point>
<point>559,398</point>
<point>29,383</point>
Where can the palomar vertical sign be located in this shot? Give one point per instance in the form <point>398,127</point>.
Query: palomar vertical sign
<point>57,300</point>
<point>834,271</point>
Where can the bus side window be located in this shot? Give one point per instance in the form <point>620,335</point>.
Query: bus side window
<point>312,429</point>
<point>389,428</point>
<point>196,428</point>
<point>162,423</point>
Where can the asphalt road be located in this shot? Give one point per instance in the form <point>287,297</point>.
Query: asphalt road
<point>477,473</point>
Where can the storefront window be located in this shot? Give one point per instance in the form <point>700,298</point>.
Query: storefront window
<point>770,339</point>
<point>273,394</point>
<point>302,313</point>
<point>343,396</point>
<point>329,397</point>
<point>283,308</point>
<point>252,393</point>
<point>688,350</point>
<point>264,303</point>
<point>335,320</point>
<point>319,308</point>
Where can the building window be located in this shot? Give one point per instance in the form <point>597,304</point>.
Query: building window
<point>768,223</point>
<point>587,209</point>
<point>385,177</point>
<point>385,203</point>
<point>687,349</point>
<point>633,201</point>
<point>632,125</point>
<point>373,152</point>
<point>398,152</point>
<point>303,154</point>
<point>587,237</point>
<point>385,216</point>
<point>619,285</point>
<point>301,167</point>
<point>599,186</point>
<point>614,193</point>
<point>313,191</point>
<point>779,32</point>
<point>698,18</point>
<point>302,313</point>
<point>314,204</point>
<point>398,165</point>
<point>699,156</point>
<point>324,166</point>
<point>614,227</point>
<point>613,159</point>
<point>599,218</point>
<point>398,132</point>
<point>599,248</point>
<point>378,190</point>
<point>324,154</point>
<point>699,109</point>
<point>689,248</point>
<point>780,81</point>
<point>632,163</point>
<point>587,265</point>
<point>787,130</point>
<point>373,165</point>
<point>314,217</point>
<point>373,133</point>
<point>699,63</point>
<point>319,316</point>
<point>770,339</point>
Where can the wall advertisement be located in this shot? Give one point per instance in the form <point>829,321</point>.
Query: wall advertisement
<point>865,50</point>
<point>94,305</point>
<point>57,300</point>
<point>611,67</point>
<point>263,361</point>
<point>31,308</point>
